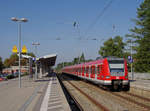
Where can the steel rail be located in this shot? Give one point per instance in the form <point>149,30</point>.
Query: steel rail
<point>90,98</point>
<point>68,93</point>
<point>140,97</point>
<point>130,100</point>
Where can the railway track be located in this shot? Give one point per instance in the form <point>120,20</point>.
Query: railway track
<point>100,106</point>
<point>143,101</point>
<point>74,105</point>
<point>105,100</point>
<point>96,106</point>
<point>131,98</point>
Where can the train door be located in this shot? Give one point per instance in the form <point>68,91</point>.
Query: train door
<point>77,71</point>
<point>96,72</point>
<point>87,71</point>
<point>99,68</point>
<point>83,71</point>
<point>102,72</point>
<point>80,70</point>
<point>92,71</point>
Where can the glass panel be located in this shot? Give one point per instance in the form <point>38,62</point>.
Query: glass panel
<point>116,61</point>
<point>92,70</point>
<point>87,69</point>
<point>96,70</point>
<point>117,72</point>
<point>116,65</point>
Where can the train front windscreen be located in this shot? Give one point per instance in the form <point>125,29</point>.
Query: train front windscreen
<point>116,67</point>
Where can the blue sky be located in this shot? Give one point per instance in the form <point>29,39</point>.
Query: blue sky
<point>52,19</point>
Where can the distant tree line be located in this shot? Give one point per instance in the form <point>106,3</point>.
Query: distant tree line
<point>76,60</point>
<point>13,61</point>
<point>1,65</point>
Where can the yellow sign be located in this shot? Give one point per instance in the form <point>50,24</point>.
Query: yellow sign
<point>24,49</point>
<point>14,50</point>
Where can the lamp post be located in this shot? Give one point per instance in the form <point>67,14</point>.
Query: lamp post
<point>19,35</point>
<point>35,44</point>
<point>131,52</point>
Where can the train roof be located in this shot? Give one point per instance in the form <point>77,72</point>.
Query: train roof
<point>98,61</point>
<point>86,63</point>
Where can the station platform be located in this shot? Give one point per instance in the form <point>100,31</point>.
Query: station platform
<point>44,94</point>
<point>54,99</point>
<point>140,80</point>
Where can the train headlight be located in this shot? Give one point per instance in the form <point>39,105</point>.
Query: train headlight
<point>107,77</point>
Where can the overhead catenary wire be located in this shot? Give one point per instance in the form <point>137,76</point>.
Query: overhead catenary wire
<point>99,16</point>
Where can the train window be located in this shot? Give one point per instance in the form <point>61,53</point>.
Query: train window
<point>92,70</point>
<point>82,69</point>
<point>95,70</point>
<point>98,70</point>
<point>87,70</point>
<point>116,61</point>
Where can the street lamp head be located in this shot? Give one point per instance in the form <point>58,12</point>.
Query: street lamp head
<point>36,43</point>
<point>14,19</point>
<point>23,20</point>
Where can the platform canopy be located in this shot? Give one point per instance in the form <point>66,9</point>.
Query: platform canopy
<point>48,60</point>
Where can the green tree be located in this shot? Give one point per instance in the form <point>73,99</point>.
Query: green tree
<point>113,47</point>
<point>82,58</point>
<point>1,64</point>
<point>13,60</point>
<point>140,35</point>
<point>6,63</point>
<point>31,54</point>
<point>76,60</point>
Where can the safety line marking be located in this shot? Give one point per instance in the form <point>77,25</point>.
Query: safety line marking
<point>44,105</point>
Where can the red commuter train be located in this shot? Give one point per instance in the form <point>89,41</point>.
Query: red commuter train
<point>111,72</point>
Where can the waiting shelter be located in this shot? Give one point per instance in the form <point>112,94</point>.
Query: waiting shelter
<point>45,64</point>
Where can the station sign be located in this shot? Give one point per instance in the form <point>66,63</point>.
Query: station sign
<point>14,50</point>
<point>24,49</point>
<point>130,59</point>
